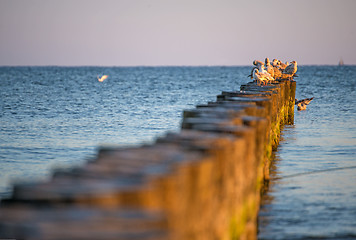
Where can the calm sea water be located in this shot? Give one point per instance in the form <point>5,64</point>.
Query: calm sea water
<point>58,116</point>
<point>315,194</point>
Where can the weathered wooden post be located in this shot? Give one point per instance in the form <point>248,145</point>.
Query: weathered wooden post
<point>203,182</point>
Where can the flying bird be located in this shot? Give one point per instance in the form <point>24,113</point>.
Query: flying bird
<point>302,104</point>
<point>102,78</point>
<point>305,101</point>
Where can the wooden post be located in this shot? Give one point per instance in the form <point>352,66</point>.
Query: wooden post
<point>203,182</point>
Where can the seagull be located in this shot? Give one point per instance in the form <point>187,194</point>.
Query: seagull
<point>302,104</point>
<point>291,69</point>
<point>282,65</point>
<point>262,71</point>
<point>305,101</point>
<point>102,78</point>
<point>257,62</point>
<point>251,75</point>
<point>257,76</point>
<point>269,67</point>
<point>261,77</point>
<point>259,73</point>
<point>277,72</point>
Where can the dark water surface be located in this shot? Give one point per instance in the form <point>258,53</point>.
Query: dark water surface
<point>58,116</point>
<point>314,195</point>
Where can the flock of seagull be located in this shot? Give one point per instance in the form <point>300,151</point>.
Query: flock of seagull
<point>266,72</point>
<point>263,75</point>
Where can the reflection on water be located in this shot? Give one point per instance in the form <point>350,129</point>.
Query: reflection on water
<point>313,195</point>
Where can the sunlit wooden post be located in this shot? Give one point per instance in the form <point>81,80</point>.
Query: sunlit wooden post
<point>203,182</point>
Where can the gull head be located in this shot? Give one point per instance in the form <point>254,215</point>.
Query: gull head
<point>257,63</point>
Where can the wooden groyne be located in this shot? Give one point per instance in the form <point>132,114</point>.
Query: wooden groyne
<point>203,182</point>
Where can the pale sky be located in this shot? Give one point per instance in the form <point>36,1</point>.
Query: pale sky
<point>176,32</point>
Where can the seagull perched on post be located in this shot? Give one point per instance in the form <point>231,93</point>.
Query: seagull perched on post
<point>261,77</point>
<point>263,72</point>
<point>257,62</point>
<point>291,69</point>
<point>302,104</point>
<point>277,72</point>
<point>282,65</point>
<point>251,75</point>
<point>269,67</point>
<point>259,73</point>
<point>258,77</point>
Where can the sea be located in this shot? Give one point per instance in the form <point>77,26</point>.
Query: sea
<point>313,194</point>
<point>57,117</point>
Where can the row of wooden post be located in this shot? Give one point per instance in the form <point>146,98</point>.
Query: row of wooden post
<point>202,182</point>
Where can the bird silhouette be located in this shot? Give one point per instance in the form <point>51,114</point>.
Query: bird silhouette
<point>305,100</point>
<point>302,104</point>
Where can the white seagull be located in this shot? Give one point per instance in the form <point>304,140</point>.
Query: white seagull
<point>291,69</point>
<point>269,67</point>
<point>262,71</point>
<point>261,77</point>
<point>102,78</point>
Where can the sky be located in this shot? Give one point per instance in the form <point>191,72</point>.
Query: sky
<point>175,32</point>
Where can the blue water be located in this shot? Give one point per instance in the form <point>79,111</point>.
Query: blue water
<point>314,194</point>
<point>58,116</point>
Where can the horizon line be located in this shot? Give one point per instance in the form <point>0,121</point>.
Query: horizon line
<point>128,66</point>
